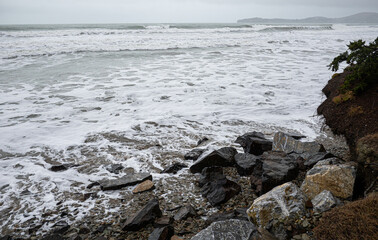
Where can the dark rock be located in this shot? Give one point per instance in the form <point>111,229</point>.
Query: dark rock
<point>62,167</point>
<point>202,141</point>
<point>114,168</point>
<point>163,221</point>
<point>194,154</point>
<point>143,217</point>
<point>223,157</point>
<point>210,174</point>
<point>53,237</point>
<point>60,227</point>
<point>33,228</point>
<point>91,195</point>
<point>84,230</point>
<point>174,168</point>
<point>284,142</point>
<point>254,143</point>
<point>245,163</point>
<point>216,188</point>
<point>277,168</point>
<point>101,228</point>
<point>75,237</point>
<point>185,212</point>
<point>91,185</point>
<point>127,180</point>
<point>101,238</point>
<point>6,237</point>
<point>239,213</point>
<point>164,233</point>
<point>314,159</point>
<point>230,229</point>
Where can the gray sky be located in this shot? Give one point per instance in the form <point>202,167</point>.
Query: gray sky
<point>165,11</point>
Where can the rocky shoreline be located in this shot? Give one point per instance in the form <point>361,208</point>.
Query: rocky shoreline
<point>220,186</point>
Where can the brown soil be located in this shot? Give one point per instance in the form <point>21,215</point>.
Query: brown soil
<point>352,116</point>
<point>355,220</point>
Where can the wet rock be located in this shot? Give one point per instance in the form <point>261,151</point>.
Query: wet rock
<point>254,143</point>
<point>174,168</point>
<point>245,163</point>
<point>235,214</point>
<point>285,203</point>
<point>185,212</point>
<point>163,221</point>
<point>53,237</point>
<point>84,230</point>
<point>164,233</point>
<point>91,185</point>
<point>332,175</point>
<point>127,180</point>
<point>101,228</point>
<point>146,215</point>
<point>223,157</point>
<point>277,168</point>
<point>194,154</point>
<point>91,195</point>
<point>62,167</point>
<point>114,168</point>
<point>6,237</point>
<point>324,201</point>
<point>144,186</point>
<point>317,157</point>
<point>205,139</point>
<point>285,143</point>
<point>216,188</point>
<point>60,227</point>
<point>230,229</point>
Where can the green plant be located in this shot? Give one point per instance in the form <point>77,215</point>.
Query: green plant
<point>363,65</point>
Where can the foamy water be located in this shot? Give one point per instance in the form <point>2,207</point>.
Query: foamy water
<point>143,95</point>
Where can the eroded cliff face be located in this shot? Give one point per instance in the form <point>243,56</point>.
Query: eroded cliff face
<point>355,117</point>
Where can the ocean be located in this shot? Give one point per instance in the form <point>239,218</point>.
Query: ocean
<point>142,95</point>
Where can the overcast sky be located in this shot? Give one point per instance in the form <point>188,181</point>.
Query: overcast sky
<point>166,11</point>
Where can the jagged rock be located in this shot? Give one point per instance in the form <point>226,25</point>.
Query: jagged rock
<point>254,143</point>
<point>62,167</point>
<point>146,215</point>
<point>332,175</point>
<point>314,159</point>
<point>185,212</point>
<point>285,203</point>
<point>230,229</point>
<point>60,227</point>
<point>174,168</point>
<point>216,188</point>
<point>194,154</point>
<point>114,168</point>
<point>223,157</point>
<point>144,186</point>
<point>235,214</point>
<point>285,143</point>
<point>164,233</point>
<point>245,163</point>
<point>127,180</point>
<point>324,201</point>
<point>276,169</point>
<point>163,221</point>
<point>205,139</point>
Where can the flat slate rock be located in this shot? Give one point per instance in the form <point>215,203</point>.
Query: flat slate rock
<point>194,154</point>
<point>245,163</point>
<point>164,233</point>
<point>174,168</point>
<point>314,159</point>
<point>223,157</point>
<point>144,186</point>
<point>127,180</point>
<point>185,212</point>
<point>146,215</point>
<point>254,143</point>
<point>288,144</point>
<point>114,168</point>
<point>232,229</point>
<point>163,221</point>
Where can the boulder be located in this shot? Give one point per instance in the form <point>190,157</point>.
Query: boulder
<point>332,175</point>
<point>164,233</point>
<point>324,201</point>
<point>286,143</point>
<point>285,203</point>
<point>174,168</point>
<point>146,215</point>
<point>223,157</point>
<point>144,186</point>
<point>317,157</point>
<point>194,154</point>
<point>216,188</point>
<point>254,143</point>
<point>276,169</point>
<point>114,168</point>
<point>127,180</point>
<point>185,212</point>
<point>229,229</point>
<point>245,163</point>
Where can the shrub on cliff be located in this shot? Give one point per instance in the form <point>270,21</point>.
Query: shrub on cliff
<point>363,65</point>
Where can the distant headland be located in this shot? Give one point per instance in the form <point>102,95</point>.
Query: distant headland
<point>367,17</point>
